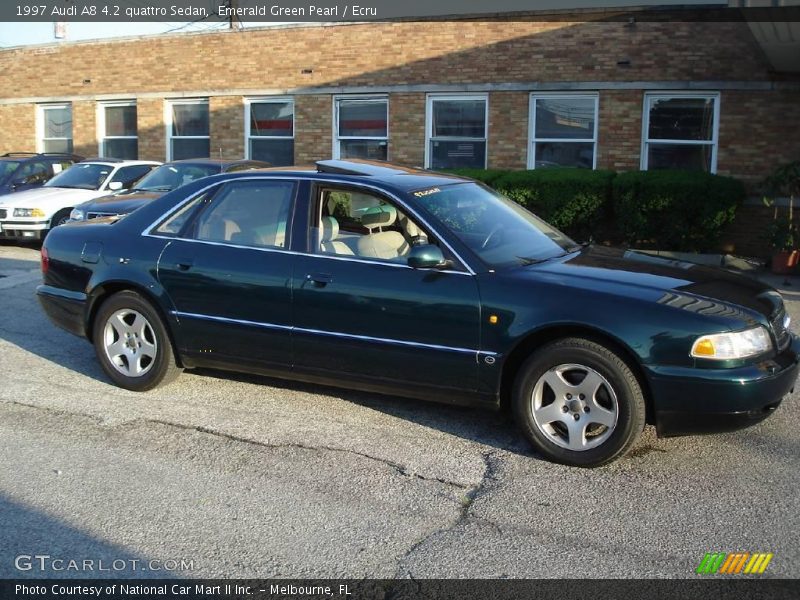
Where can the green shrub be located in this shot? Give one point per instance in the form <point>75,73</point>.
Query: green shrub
<point>675,210</point>
<point>573,200</point>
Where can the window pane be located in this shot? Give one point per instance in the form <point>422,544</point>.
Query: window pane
<point>360,118</point>
<point>190,119</point>
<point>249,213</point>
<point>565,118</point>
<point>679,156</point>
<point>455,155</point>
<point>371,149</point>
<point>459,118</point>
<point>278,153</point>
<point>564,154</point>
<point>190,148</point>
<point>682,119</point>
<point>57,146</point>
<point>128,149</point>
<point>120,121</point>
<point>272,118</point>
<point>57,122</point>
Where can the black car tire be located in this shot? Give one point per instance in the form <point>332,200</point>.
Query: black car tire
<point>552,406</point>
<point>129,336</point>
<point>60,217</point>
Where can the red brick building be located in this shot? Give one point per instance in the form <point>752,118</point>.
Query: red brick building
<point>613,94</point>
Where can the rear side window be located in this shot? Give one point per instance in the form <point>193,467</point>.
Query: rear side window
<point>130,175</point>
<point>247,213</point>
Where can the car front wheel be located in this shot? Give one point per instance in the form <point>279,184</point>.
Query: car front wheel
<point>579,403</point>
<point>132,344</point>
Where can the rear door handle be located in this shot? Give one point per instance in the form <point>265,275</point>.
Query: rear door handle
<point>184,264</point>
<point>319,279</point>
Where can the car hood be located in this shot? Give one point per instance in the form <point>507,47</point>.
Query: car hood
<point>681,284</point>
<point>120,204</point>
<point>49,197</point>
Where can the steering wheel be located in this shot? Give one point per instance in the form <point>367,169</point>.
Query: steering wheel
<point>491,234</point>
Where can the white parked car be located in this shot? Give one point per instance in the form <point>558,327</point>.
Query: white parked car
<point>32,213</point>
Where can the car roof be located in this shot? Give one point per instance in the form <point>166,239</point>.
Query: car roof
<point>117,162</point>
<point>365,171</point>
<point>23,156</point>
<point>221,162</point>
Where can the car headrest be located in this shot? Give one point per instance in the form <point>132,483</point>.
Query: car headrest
<point>329,229</point>
<point>410,227</point>
<point>379,216</point>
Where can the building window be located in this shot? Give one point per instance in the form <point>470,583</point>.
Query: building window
<point>563,131</point>
<point>361,128</point>
<point>55,128</point>
<point>187,129</point>
<point>456,131</point>
<point>118,130</point>
<point>680,131</point>
<point>270,130</point>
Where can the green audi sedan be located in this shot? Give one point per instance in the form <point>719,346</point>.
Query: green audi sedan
<point>380,278</point>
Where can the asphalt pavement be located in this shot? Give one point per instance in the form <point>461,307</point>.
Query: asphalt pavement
<point>226,475</point>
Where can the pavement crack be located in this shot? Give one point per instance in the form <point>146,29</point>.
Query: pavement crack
<point>468,500</point>
<point>398,468</point>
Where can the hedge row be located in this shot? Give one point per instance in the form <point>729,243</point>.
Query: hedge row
<point>669,210</point>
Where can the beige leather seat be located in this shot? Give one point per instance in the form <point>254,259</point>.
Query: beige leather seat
<point>413,234</point>
<point>328,232</point>
<point>378,243</point>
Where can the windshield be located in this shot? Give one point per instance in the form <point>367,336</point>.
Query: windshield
<point>84,176</point>
<point>7,167</point>
<point>499,231</point>
<point>167,177</point>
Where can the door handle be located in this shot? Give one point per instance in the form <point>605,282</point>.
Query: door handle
<point>319,279</point>
<point>184,264</point>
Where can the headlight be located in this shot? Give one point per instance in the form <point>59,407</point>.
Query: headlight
<point>76,214</point>
<point>28,212</point>
<point>739,344</point>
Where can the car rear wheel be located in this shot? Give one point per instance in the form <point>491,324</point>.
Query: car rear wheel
<point>132,344</point>
<point>579,403</point>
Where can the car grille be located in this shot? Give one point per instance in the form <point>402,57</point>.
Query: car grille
<point>781,333</point>
<point>97,215</point>
<point>3,213</point>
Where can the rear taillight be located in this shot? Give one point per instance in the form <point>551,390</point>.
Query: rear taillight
<point>45,261</point>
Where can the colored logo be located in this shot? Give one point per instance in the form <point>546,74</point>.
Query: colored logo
<point>734,563</point>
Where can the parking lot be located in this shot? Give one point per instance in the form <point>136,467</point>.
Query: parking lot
<point>239,476</point>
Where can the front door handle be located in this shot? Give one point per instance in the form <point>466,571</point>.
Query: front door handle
<point>319,279</point>
<point>184,264</point>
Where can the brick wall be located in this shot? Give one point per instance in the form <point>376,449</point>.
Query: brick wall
<point>17,128</point>
<point>151,129</point>
<point>407,129</point>
<point>508,130</point>
<point>619,136</point>
<point>84,128</point>
<point>312,126</point>
<point>226,123</point>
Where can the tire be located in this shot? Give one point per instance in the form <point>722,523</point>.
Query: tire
<point>132,344</point>
<point>578,403</point>
<point>59,218</point>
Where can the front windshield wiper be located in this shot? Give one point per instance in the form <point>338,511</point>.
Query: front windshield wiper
<point>72,187</point>
<point>528,260</point>
<point>158,188</point>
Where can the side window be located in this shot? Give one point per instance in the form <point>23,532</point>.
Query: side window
<point>248,213</point>
<point>362,225</point>
<point>175,223</point>
<point>130,175</point>
<point>33,173</point>
<point>61,165</point>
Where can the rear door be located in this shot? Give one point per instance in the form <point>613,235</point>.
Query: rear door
<point>228,274</point>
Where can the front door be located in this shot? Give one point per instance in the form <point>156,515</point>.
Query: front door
<point>360,310</point>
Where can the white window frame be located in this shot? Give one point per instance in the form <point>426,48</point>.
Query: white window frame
<point>430,99</point>
<point>265,100</point>
<point>40,139</point>
<point>713,142</point>
<point>533,140</point>
<point>336,138</point>
<point>168,122</point>
<point>101,126</point>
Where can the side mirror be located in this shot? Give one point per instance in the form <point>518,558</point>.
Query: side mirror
<point>426,257</point>
<point>115,186</point>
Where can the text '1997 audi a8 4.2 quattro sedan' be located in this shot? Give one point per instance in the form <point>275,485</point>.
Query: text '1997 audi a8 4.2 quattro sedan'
<point>407,282</point>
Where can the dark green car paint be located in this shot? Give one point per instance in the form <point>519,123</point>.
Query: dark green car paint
<point>425,333</point>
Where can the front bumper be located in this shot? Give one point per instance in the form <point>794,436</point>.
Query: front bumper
<point>31,230</point>
<point>64,308</point>
<point>690,401</point>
